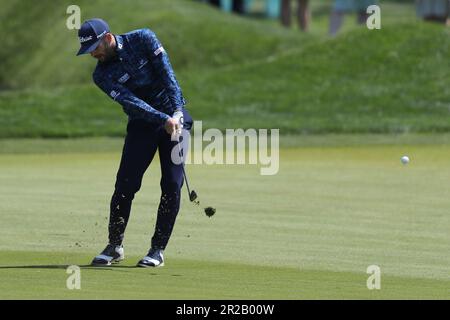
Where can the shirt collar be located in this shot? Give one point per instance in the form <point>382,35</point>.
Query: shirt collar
<point>119,44</point>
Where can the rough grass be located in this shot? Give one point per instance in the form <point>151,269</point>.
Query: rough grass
<point>238,72</point>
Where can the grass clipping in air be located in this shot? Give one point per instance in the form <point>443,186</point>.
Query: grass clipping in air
<point>209,211</point>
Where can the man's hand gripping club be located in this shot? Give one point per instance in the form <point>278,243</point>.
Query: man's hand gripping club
<point>174,125</point>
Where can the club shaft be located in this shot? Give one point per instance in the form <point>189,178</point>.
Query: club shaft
<point>184,172</point>
<point>185,179</point>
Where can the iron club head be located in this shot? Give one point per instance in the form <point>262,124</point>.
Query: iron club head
<point>193,196</point>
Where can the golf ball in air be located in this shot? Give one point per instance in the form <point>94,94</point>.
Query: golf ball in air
<point>405,159</point>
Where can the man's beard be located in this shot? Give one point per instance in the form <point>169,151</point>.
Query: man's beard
<point>110,53</point>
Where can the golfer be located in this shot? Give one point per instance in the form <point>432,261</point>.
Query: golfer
<point>134,70</point>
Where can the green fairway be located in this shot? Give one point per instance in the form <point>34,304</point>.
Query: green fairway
<point>310,231</point>
<point>196,279</point>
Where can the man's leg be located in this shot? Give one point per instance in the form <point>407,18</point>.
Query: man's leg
<point>340,7</point>
<point>286,13</point>
<point>138,152</point>
<point>336,20</point>
<point>303,15</point>
<point>362,17</point>
<point>171,183</point>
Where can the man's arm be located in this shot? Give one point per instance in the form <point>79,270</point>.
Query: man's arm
<point>163,68</point>
<point>129,101</point>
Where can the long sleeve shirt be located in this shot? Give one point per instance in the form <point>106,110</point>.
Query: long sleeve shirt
<point>141,78</point>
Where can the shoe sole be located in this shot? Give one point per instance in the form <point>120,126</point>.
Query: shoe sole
<point>115,261</point>
<point>148,266</point>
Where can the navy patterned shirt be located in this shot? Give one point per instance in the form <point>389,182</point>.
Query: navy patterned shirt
<point>141,78</point>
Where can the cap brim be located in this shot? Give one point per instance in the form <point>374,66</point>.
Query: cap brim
<point>89,48</point>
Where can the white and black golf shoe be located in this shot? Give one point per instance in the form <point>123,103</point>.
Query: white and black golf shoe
<point>109,255</point>
<point>154,258</point>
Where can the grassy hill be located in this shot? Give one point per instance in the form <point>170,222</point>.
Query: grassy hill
<point>389,81</point>
<point>235,72</point>
<point>41,51</point>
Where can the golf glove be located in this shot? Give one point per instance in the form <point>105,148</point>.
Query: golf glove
<point>178,115</point>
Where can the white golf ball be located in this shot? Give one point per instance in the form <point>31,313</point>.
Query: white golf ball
<point>405,159</point>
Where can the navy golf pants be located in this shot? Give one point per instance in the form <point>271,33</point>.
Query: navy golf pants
<point>141,142</point>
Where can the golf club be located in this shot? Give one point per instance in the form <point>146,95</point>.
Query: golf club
<point>209,211</point>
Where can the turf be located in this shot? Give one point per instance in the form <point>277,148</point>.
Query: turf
<point>308,232</point>
<point>196,279</point>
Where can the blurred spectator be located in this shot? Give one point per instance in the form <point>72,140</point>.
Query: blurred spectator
<point>341,7</point>
<point>214,2</point>
<point>303,15</point>
<point>237,6</point>
<point>433,10</point>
